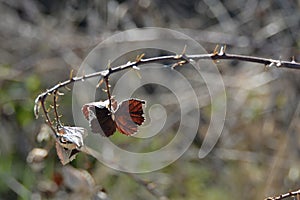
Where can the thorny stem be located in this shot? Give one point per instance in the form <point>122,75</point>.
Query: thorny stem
<point>178,61</point>
<point>213,56</point>
<point>286,195</point>
<point>55,108</point>
<point>48,121</point>
<point>187,58</point>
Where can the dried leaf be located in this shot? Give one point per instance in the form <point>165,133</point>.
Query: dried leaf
<point>71,137</point>
<point>69,140</point>
<point>126,117</point>
<point>65,155</point>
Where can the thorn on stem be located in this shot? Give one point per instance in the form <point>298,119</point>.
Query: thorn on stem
<point>135,67</point>
<point>272,64</point>
<point>184,50</point>
<point>216,50</point>
<point>67,88</point>
<point>179,63</point>
<point>71,74</point>
<point>222,51</point>
<point>60,93</point>
<point>139,57</point>
<point>293,59</point>
<point>178,56</point>
<point>108,66</point>
<point>136,70</point>
<point>100,83</point>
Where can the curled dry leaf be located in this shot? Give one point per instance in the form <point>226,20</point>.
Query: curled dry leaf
<point>71,137</point>
<point>69,140</point>
<point>125,117</point>
<point>65,155</point>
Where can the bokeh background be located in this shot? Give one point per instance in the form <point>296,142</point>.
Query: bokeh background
<point>257,156</point>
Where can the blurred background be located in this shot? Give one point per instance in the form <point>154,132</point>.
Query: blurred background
<point>257,156</point>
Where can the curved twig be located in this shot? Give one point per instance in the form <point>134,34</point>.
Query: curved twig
<point>178,61</point>
<point>286,195</point>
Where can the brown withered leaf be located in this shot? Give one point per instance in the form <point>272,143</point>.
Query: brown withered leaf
<point>125,117</point>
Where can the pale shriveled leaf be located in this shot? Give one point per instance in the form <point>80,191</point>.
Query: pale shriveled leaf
<point>65,155</point>
<point>69,140</point>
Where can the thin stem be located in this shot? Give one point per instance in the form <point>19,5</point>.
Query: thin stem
<point>48,121</point>
<point>108,91</point>
<point>55,108</point>
<point>177,59</point>
<point>286,195</point>
<point>213,56</point>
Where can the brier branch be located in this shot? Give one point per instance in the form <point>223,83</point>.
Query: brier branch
<point>178,60</point>
<point>294,195</point>
<point>175,60</point>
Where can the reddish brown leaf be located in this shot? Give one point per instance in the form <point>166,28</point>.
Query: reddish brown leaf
<point>126,117</point>
<point>129,116</point>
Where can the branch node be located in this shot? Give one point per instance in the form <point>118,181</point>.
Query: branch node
<point>105,73</point>
<point>178,56</point>
<point>278,64</point>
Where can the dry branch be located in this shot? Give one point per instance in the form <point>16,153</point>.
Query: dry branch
<point>294,194</point>
<point>177,59</point>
